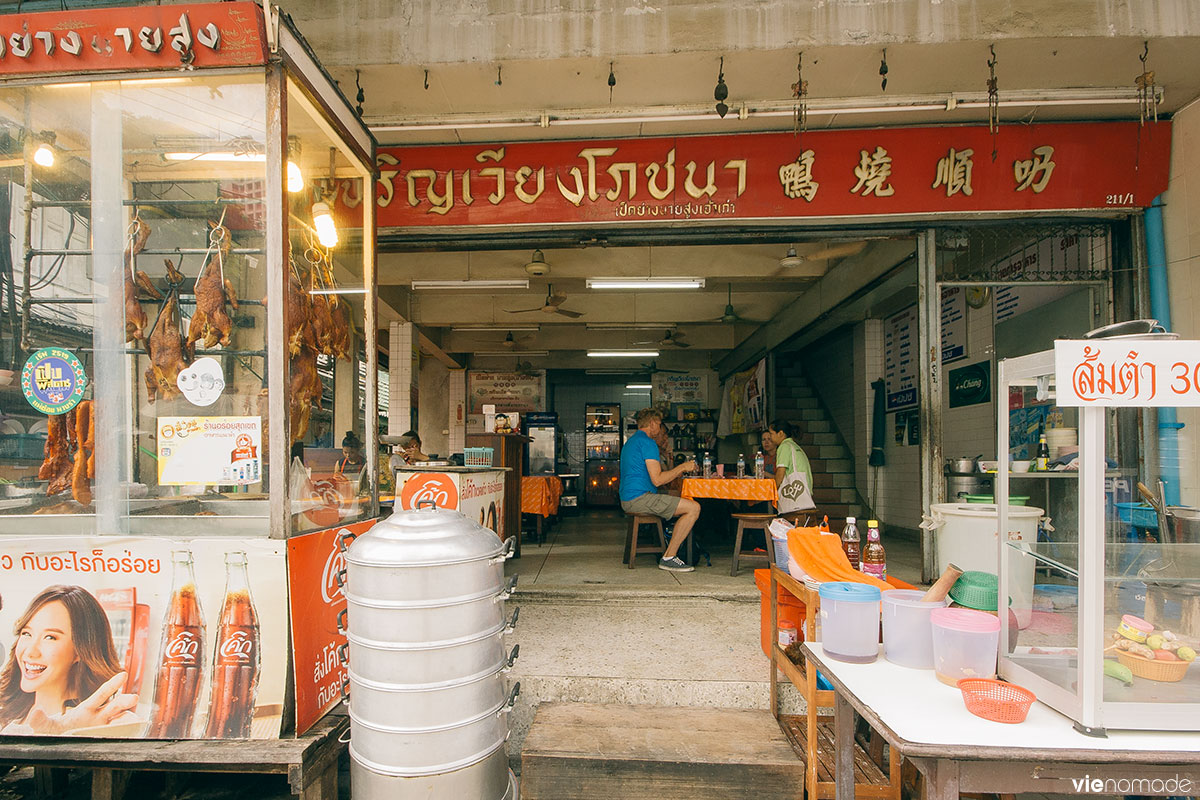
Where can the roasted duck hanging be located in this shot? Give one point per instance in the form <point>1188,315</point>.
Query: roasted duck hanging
<point>305,391</point>
<point>211,324</point>
<point>169,353</point>
<point>60,444</point>
<point>85,463</point>
<point>137,284</point>
<point>299,315</point>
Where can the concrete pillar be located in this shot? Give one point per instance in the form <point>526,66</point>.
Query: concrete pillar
<point>402,376</point>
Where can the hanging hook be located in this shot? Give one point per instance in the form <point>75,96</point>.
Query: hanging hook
<point>426,80</point>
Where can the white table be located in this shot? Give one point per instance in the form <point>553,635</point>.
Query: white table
<point>956,751</point>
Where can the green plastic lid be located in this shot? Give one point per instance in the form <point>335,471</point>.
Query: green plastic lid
<point>977,590</point>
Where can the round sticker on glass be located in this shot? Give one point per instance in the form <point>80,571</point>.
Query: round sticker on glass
<point>202,382</point>
<point>53,380</point>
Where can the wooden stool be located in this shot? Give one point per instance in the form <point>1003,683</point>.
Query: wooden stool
<point>632,548</point>
<point>751,522</point>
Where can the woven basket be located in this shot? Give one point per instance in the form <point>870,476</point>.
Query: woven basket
<point>996,700</point>
<point>1153,670</point>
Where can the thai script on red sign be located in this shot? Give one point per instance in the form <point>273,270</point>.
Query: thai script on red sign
<point>880,172</point>
<point>1127,372</point>
<point>133,38</point>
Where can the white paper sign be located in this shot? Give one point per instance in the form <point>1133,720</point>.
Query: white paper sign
<point>1127,372</point>
<point>203,450</point>
<point>202,382</point>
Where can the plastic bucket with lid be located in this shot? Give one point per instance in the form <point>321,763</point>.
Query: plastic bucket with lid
<point>965,644</point>
<point>850,621</point>
<point>907,631</point>
<point>967,535</point>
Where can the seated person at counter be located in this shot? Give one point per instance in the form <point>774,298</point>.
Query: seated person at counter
<point>642,474</point>
<point>352,460</point>
<point>793,473</point>
<point>768,451</point>
<point>407,451</point>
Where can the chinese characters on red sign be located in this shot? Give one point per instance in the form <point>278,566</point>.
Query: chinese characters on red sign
<point>133,38</point>
<point>884,172</point>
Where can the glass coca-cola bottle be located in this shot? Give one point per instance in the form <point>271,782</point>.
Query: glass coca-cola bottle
<point>181,657</point>
<point>236,657</point>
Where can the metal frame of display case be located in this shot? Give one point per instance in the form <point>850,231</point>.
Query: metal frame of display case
<point>1086,705</point>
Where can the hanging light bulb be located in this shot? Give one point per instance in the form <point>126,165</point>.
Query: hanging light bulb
<point>295,178</point>
<point>327,233</point>
<point>43,156</point>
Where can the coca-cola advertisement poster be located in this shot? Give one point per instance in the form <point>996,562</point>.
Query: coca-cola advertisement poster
<point>142,638</point>
<point>314,561</point>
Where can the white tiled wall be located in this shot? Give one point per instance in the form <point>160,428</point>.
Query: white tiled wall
<point>400,377</point>
<point>1181,221</point>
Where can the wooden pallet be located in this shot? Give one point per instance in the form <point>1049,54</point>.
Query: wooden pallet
<point>309,761</point>
<point>584,751</point>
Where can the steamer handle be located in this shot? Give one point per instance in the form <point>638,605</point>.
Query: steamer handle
<point>341,621</point>
<point>340,577</point>
<point>512,657</point>
<point>507,591</point>
<point>512,623</point>
<point>346,688</point>
<point>512,699</point>
<point>510,548</point>
<point>422,503</point>
<point>343,652</point>
<point>345,538</point>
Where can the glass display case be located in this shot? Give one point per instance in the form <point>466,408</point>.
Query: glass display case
<point>1116,614</point>
<point>187,288</point>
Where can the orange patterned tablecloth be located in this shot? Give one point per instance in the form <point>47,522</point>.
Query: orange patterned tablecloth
<point>730,488</point>
<point>540,494</point>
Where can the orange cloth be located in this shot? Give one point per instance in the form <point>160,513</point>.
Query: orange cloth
<point>730,488</point>
<point>540,494</point>
<point>821,556</point>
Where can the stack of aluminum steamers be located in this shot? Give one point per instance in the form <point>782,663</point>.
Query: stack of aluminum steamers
<point>429,695</point>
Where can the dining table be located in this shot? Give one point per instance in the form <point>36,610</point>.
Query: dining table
<point>753,490</point>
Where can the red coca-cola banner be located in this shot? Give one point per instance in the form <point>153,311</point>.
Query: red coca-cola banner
<point>148,37</point>
<point>818,174</point>
<point>314,561</point>
<point>142,637</point>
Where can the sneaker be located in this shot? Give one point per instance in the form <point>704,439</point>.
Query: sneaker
<point>674,564</point>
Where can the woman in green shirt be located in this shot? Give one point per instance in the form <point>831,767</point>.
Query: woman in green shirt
<point>791,468</point>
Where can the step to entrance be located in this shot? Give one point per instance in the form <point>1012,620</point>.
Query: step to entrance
<point>586,751</point>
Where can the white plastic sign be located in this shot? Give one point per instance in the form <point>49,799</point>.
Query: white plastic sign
<point>1127,372</point>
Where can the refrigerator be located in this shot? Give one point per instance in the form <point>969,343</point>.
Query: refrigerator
<point>542,451</point>
<point>602,453</point>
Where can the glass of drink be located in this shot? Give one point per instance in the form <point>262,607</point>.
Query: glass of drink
<point>720,470</point>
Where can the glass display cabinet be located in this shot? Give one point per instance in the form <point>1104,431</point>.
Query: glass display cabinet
<point>1116,616</point>
<point>187,283</point>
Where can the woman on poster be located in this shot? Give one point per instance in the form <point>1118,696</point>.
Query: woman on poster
<point>62,672</point>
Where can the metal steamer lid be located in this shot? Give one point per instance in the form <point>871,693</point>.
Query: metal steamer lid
<point>425,536</point>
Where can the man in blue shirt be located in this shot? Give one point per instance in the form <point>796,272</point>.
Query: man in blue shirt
<point>642,474</point>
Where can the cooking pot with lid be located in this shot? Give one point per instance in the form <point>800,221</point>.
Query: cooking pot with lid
<point>412,622</point>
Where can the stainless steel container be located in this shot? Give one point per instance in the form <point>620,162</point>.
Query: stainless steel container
<point>424,624</point>
<point>488,778</point>
<point>434,749</point>
<point>411,621</point>
<point>425,705</point>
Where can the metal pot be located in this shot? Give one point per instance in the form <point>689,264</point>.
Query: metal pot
<point>426,555</point>
<point>426,705</point>
<point>487,779</point>
<point>1183,525</point>
<point>434,749</point>
<point>399,622</point>
<point>960,464</point>
<point>433,662</point>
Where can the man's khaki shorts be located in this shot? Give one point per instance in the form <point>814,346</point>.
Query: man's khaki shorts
<point>659,505</point>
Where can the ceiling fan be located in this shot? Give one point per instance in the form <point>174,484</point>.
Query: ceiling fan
<point>553,301</point>
<point>652,367</point>
<point>792,260</point>
<point>730,315</point>
<point>672,339</point>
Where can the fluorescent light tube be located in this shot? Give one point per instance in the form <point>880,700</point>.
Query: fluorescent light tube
<point>622,353</point>
<point>518,353</point>
<point>630,326</point>
<point>503,284</point>
<point>645,283</point>
<point>501,328</point>
<point>638,386</point>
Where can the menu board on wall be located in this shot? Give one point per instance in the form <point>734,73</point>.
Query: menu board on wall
<point>900,359</point>
<point>954,323</point>
<point>507,391</point>
<point>1051,258</point>
<point>684,387</point>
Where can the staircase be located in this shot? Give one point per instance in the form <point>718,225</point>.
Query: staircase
<point>834,487</point>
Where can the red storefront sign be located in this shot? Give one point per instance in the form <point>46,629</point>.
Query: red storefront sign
<point>819,174</point>
<point>314,561</point>
<point>133,38</point>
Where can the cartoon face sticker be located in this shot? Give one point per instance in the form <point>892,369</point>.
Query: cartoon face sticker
<point>202,382</point>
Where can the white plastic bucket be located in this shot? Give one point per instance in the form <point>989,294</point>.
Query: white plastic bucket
<point>907,631</point>
<point>967,537</point>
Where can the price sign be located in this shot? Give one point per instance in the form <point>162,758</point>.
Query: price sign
<point>1127,372</point>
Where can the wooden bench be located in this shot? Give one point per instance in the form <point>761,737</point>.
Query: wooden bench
<point>309,761</point>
